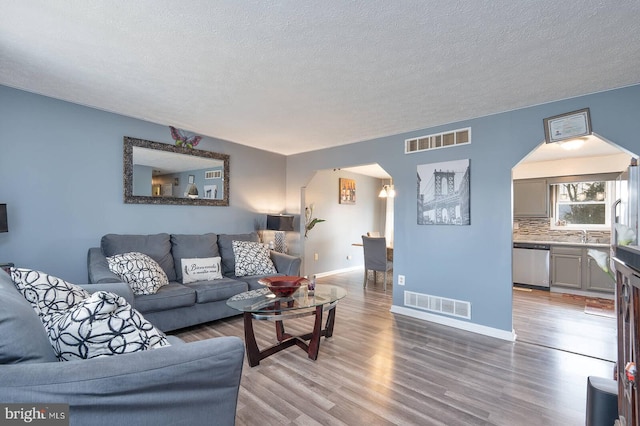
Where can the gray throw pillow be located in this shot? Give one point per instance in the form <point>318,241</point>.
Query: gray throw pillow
<point>24,339</point>
<point>192,246</point>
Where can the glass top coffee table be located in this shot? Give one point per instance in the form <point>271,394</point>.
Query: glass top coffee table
<point>261,304</point>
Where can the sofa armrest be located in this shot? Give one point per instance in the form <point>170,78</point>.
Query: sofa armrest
<point>119,288</point>
<point>98,268</point>
<point>286,264</point>
<point>192,383</point>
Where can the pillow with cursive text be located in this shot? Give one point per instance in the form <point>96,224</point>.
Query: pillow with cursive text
<point>201,269</point>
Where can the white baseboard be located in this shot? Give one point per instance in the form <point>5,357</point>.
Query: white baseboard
<point>451,322</point>
<point>337,271</point>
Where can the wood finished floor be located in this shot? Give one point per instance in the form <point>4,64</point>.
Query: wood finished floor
<point>559,321</point>
<point>386,369</point>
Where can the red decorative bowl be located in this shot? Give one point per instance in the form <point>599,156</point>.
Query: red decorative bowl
<point>283,286</point>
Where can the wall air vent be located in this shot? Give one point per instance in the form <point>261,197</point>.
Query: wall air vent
<point>213,174</point>
<point>441,305</point>
<point>438,140</point>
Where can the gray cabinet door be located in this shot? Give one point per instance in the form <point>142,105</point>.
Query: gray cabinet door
<point>566,270</point>
<point>530,198</point>
<point>595,278</point>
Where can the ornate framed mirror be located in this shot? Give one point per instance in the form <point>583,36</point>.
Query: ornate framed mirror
<point>159,173</point>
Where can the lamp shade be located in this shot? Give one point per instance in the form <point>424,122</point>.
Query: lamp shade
<point>387,191</point>
<point>192,189</point>
<point>4,226</point>
<point>281,222</point>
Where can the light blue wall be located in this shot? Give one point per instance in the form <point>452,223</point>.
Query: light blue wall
<point>61,177</point>
<point>471,263</point>
<point>142,178</point>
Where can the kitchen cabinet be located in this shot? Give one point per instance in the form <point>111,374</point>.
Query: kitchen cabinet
<point>573,268</point>
<point>596,278</point>
<point>566,267</point>
<point>530,198</point>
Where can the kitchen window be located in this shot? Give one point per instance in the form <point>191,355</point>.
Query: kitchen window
<point>581,205</point>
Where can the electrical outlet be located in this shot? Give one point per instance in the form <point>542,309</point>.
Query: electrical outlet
<point>348,257</point>
<point>315,256</point>
<point>400,279</point>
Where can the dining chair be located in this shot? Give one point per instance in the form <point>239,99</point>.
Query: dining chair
<point>375,258</point>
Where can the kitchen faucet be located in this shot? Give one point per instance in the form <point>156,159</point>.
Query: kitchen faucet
<point>584,237</point>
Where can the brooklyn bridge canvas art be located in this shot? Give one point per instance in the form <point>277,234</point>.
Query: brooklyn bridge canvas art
<point>443,193</point>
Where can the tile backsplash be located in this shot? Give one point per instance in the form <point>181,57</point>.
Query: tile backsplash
<point>537,229</point>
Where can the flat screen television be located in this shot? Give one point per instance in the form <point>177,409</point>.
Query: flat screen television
<point>4,226</point>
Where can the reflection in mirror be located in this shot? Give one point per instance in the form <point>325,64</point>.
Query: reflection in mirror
<point>159,173</point>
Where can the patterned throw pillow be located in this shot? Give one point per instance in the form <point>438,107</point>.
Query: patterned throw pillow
<point>101,325</point>
<point>252,259</point>
<point>142,273</point>
<point>46,293</point>
<point>200,269</point>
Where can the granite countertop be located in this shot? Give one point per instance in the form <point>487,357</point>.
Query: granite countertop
<point>564,243</point>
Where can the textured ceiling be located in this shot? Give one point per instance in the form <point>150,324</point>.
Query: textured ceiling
<point>294,76</point>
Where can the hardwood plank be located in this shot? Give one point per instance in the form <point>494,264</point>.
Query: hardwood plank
<point>386,369</point>
<point>559,321</point>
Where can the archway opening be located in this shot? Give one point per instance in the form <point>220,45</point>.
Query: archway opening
<point>554,187</point>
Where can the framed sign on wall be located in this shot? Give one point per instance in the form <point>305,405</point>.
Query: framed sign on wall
<point>567,126</point>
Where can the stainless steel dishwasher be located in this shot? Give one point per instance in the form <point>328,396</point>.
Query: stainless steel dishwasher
<point>531,264</point>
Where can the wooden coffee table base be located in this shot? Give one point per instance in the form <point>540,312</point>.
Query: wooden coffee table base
<point>285,340</point>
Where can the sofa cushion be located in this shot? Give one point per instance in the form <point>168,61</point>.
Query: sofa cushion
<point>174,295</point>
<point>157,246</point>
<point>226,249</point>
<point>200,269</point>
<point>103,324</point>
<point>190,246</point>
<point>46,294</point>
<point>212,291</point>
<point>252,259</point>
<point>23,338</point>
<point>140,271</point>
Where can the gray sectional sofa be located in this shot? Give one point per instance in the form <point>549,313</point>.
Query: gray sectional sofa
<point>179,305</point>
<point>183,384</point>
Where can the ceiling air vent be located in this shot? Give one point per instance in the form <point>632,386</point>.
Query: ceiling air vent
<point>438,140</point>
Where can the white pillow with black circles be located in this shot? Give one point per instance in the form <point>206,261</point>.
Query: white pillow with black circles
<point>252,259</point>
<point>46,294</point>
<point>104,324</point>
<point>143,274</point>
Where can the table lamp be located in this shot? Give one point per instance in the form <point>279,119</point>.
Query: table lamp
<point>4,226</point>
<point>280,223</point>
<point>192,191</point>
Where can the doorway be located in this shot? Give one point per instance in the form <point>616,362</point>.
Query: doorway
<point>328,247</point>
<point>560,317</point>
